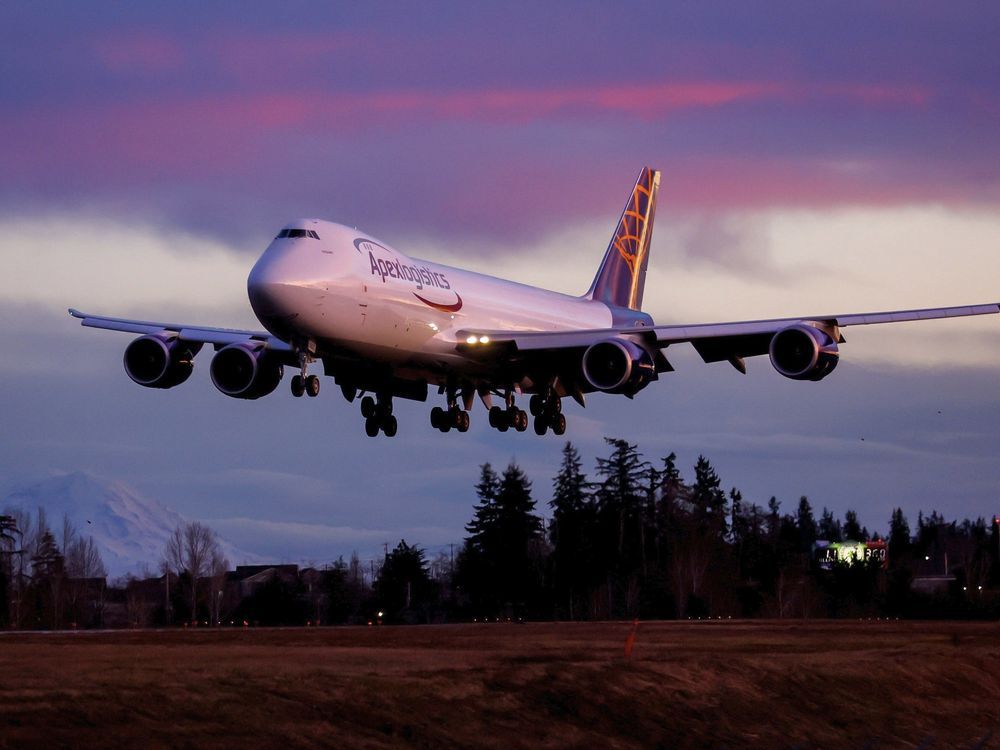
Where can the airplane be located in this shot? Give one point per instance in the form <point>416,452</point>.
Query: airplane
<point>385,325</point>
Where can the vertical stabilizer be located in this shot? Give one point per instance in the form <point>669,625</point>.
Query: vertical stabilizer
<point>622,275</point>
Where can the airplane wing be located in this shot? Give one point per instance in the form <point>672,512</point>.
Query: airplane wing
<point>715,342</point>
<point>218,337</point>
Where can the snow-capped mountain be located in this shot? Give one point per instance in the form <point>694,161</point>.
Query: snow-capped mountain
<point>130,530</point>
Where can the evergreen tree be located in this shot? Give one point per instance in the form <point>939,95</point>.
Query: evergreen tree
<point>484,512</point>
<point>569,532</point>
<point>899,537</point>
<point>708,498</point>
<point>829,527</point>
<point>499,568</point>
<point>852,529</point>
<point>806,523</point>
<point>621,498</point>
<point>403,586</point>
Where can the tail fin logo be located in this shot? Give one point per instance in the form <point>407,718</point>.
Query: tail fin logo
<point>632,227</point>
<point>622,274</point>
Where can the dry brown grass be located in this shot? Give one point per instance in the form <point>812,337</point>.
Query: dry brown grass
<point>708,684</point>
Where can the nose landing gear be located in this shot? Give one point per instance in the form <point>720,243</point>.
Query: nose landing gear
<point>304,383</point>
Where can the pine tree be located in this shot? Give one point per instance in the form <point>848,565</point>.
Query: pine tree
<point>806,524</point>
<point>708,498</point>
<point>499,567</point>
<point>485,511</point>
<point>572,521</point>
<point>899,537</point>
<point>829,527</point>
<point>852,528</point>
<point>403,585</point>
<point>619,497</point>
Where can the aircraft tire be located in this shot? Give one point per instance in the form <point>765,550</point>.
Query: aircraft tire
<point>389,426</point>
<point>540,425</point>
<point>462,418</point>
<point>559,425</point>
<point>298,387</point>
<point>312,386</point>
<point>371,426</point>
<point>367,407</point>
<point>520,420</point>
<point>496,417</point>
<point>536,404</point>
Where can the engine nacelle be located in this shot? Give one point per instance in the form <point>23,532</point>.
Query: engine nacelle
<point>245,371</point>
<point>618,366</point>
<point>160,361</point>
<point>802,352</point>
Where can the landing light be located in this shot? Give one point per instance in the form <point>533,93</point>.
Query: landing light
<point>484,339</point>
<point>471,340</point>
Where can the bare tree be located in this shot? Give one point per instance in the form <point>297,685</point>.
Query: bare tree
<point>83,565</point>
<point>191,548</point>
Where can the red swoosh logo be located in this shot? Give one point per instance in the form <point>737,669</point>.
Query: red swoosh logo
<point>438,306</point>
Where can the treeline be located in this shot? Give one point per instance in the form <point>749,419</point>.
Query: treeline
<point>634,538</point>
<point>638,539</point>
<point>48,579</point>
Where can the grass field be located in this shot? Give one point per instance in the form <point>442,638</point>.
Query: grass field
<point>700,684</point>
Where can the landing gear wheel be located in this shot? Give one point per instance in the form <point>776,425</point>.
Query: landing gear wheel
<point>298,387</point>
<point>536,404</point>
<point>541,426</point>
<point>496,417</point>
<point>520,420</point>
<point>367,407</point>
<point>462,421</point>
<point>371,426</point>
<point>389,426</point>
<point>312,386</point>
<point>559,424</point>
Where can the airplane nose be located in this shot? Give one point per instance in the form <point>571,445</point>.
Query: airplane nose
<point>269,286</point>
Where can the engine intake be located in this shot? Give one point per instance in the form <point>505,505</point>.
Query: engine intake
<point>618,366</point>
<point>159,361</point>
<point>245,371</point>
<point>802,352</point>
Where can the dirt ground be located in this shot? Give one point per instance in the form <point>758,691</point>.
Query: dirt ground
<point>559,685</point>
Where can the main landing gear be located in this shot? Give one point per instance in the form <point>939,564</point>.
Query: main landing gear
<point>378,416</point>
<point>453,416</point>
<point>547,411</point>
<point>503,418</point>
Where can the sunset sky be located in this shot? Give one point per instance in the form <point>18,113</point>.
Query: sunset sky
<point>817,158</point>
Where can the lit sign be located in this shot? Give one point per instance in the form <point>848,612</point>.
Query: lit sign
<point>849,553</point>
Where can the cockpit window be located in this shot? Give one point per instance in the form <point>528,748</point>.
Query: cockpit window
<point>294,233</point>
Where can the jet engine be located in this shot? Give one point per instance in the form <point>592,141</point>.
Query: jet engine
<point>245,371</point>
<point>802,352</point>
<point>160,361</point>
<point>618,366</point>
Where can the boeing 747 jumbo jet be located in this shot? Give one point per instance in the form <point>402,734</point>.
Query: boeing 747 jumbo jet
<point>385,325</point>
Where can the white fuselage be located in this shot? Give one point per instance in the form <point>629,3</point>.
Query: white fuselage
<point>348,292</point>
